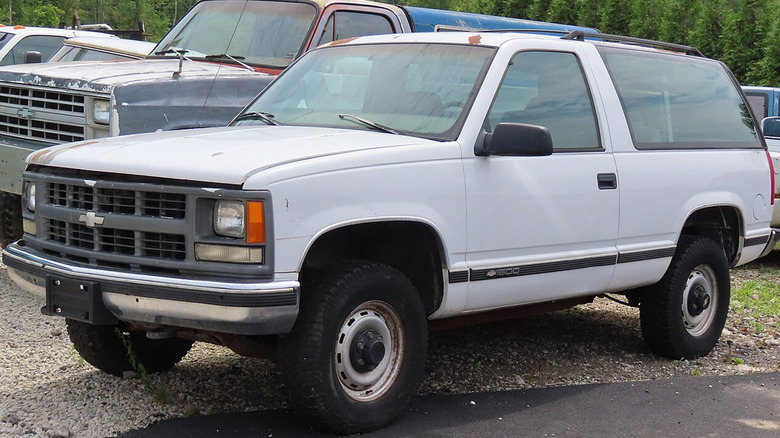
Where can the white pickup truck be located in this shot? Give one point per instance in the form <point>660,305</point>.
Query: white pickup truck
<point>384,183</point>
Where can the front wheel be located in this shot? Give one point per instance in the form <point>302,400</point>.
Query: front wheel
<point>683,315</point>
<point>357,351</point>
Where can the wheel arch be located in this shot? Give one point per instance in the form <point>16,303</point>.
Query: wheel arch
<point>413,247</point>
<point>722,223</point>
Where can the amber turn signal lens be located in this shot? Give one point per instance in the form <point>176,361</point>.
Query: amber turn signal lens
<point>255,222</point>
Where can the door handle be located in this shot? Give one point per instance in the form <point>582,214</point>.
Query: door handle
<point>607,181</point>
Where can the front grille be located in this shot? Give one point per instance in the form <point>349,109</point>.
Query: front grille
<point>119,201</point>
<point>105,223</point>
<point>134,224</point>
<point>42,115</point>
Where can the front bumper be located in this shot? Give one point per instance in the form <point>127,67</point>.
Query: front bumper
<point>256,308</point>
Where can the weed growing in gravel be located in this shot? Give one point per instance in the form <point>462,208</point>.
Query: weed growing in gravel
<point>696,372</point>
<point>760,299</point>
<point>80,362</point>
<point>158,393</point>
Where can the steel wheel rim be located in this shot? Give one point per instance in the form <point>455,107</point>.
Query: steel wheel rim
<point>381,318</point>
<point>703,276</point>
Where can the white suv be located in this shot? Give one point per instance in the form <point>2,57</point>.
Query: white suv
<point>16,41</point>
<point>383,182</point>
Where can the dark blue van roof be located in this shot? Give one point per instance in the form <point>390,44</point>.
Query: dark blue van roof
<point>426,20</point>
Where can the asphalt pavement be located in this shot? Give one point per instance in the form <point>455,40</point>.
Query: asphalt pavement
<point>712,407</point>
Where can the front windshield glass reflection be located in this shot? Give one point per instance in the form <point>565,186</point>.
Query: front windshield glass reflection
<point>268,34</point>
<point>416,89</point>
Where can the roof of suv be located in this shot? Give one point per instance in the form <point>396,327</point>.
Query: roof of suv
<point>497,38</point>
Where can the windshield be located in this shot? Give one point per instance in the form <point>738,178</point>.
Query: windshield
<point>5,37</point>
<point>416,89</point>
<point>262,33</point>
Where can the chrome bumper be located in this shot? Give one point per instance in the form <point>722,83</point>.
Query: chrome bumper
<point>256,308</point>
<point>774,237</point>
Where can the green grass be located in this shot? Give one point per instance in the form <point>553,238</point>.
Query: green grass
<point>158,393</point>
<point>759,299</point>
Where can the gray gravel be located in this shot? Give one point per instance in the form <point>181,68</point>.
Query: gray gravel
<point>46,390</point>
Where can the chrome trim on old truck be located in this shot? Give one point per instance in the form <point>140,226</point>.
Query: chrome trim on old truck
<point>252,308</point>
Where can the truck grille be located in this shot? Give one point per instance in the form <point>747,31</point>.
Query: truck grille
<point>114,223</point>
<point>41,115</point>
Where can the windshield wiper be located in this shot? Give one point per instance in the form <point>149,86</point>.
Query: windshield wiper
<point>368,123</point>
<point>266,117</point>
<point>179,52</point>
<point>234,58</point>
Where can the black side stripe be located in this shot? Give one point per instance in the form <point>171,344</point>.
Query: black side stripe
<point>754,241</point>
<point>542,268</point>
<point>640,256</point>
<point>559,266</point>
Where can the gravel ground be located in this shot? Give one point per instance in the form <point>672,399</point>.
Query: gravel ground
<point>46,390</point>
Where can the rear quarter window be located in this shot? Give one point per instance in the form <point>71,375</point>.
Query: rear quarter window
<point>679,102</point>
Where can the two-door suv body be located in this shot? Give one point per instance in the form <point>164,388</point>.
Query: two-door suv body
<point>385,182</point>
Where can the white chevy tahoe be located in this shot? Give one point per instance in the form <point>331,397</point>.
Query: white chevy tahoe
<point>384,183</point>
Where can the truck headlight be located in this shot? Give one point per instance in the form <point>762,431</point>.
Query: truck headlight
<point>240,219</point>
<point>30,196</point>
<point>101,110</point>
<point>230,219</point>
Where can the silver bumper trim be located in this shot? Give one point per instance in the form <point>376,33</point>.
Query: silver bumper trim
<point>252,308</point>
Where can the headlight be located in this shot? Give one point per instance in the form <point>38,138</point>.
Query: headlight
<point>229,219</point>
<point>30,196</point>
<point>101,109</point>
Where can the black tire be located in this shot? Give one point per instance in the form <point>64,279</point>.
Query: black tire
<point>10,218</point>
<point>358,305</point>
<point>102,347</point>
<point>683,315</point>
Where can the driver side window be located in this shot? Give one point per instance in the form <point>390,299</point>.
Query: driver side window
<point>548,89</point>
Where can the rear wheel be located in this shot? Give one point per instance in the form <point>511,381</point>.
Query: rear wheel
<point>357,351</point>
<point>683,315</point>
<point>10,218</point>
<point>106,348</point>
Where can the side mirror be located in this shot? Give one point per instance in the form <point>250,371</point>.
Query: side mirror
<point>32,57</point>
<point>518,140</point>
<point>770,126</point>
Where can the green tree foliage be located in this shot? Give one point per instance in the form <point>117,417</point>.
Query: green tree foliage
<point>645,18</point>
<point>707,27</point>
<point>562,11</point>
<point>744,34</point>
<point>616,16</point>
<point>589,12</point>
<point>677,20</point>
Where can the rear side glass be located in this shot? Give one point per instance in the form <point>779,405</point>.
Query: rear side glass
<point>679,102</point>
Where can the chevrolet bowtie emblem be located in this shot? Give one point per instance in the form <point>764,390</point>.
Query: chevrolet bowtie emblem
<point>91,220</point>
<point>25,113</point>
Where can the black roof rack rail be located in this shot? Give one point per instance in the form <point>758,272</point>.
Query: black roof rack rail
<point>450,28</point>
<point>580,36</point>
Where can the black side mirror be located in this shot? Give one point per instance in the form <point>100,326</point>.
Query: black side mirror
<point>518,140</point>
<point>770,126</point>
<point>32,57</point>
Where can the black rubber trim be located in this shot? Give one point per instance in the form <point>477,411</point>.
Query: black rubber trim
<point>269,299</point>
<point>459,276</point>
<point>755,241</point>
<point>542,268</point>
<point>640,256</point>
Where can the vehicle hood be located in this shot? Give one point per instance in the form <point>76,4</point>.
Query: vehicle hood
<point>218,155</point>
<point>102,76</point>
